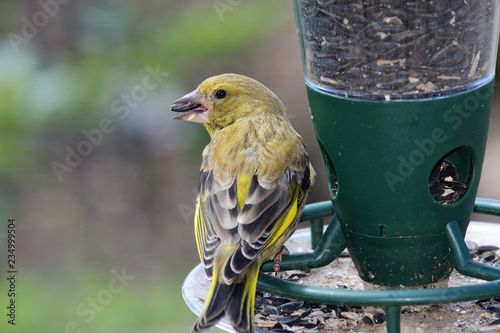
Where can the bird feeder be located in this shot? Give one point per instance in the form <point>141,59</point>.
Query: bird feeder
<point>400,96</point>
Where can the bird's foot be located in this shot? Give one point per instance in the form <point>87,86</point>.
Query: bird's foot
<point>277,260</point>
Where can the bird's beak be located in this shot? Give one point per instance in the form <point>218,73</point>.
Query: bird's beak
<point>192,107</point>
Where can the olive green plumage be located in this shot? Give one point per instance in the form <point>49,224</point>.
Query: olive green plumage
<point>254,180</point>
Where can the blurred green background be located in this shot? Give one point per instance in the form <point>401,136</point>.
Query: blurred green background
<point>100,179</point>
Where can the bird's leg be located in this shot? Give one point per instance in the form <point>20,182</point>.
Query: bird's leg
<point>277,260</point>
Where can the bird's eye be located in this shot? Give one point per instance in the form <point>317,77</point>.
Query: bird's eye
<point>220,94</point>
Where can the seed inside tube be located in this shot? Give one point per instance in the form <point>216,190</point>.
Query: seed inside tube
<point>350,46</point>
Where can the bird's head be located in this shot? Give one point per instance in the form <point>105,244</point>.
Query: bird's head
<point>221,100</point>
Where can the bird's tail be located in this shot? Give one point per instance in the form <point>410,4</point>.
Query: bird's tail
<point>236,302</point>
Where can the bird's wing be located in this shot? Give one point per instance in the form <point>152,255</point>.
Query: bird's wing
<point>247,215</point>
<point>215,219</point>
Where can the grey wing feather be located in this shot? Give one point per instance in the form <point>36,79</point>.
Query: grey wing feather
<point>217,220</point>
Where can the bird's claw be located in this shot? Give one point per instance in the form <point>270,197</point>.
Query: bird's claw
<point>277,260</point>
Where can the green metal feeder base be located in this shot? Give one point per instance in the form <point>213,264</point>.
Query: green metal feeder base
<point>392,300</point>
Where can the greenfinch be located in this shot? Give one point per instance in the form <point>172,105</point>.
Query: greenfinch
<point>253,184</point>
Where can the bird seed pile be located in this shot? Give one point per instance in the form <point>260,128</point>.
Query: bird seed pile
<point>396,47</point>
<point>444,185</point>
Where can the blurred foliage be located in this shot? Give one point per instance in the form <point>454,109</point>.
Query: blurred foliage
<point>117,42</point>
<point>192,37</point>
<point>14,158</point>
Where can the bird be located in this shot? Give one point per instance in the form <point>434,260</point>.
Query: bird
<point>253,184</point>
